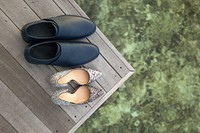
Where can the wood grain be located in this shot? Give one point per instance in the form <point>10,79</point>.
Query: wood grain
<point>17,114</point>
<point>6,127</point>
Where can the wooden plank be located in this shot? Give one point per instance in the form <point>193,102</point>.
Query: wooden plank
<point>31,94</point>
<point>17,114</point>
<point>5,127</point>
<point>98,104</point>
<point>15,45</point>
<point>44,8</point>
<point>18,12</point>
<point>110,77</point>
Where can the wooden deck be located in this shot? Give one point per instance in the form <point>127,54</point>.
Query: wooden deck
<point>25,104</point>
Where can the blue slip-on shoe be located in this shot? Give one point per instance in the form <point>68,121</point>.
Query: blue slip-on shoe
<point>61,53</point>
<point>65,27</point>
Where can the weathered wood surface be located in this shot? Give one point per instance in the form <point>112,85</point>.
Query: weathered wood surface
<point>5,127</point>
<point>11,108</point>
<point>25,104</point>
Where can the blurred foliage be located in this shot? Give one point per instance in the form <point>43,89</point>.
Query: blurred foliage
<point>161,40</point>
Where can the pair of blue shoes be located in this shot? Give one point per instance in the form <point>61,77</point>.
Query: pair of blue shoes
<point>53,41</point>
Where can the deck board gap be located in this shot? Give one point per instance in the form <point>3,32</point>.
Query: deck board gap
<point>58,6</point>
<point>10,19</point>
<point>9,124</point>
<point>31,9</point>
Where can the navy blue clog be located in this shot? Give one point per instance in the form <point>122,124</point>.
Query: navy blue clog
<point>69,54</point>
<point>65,27</point>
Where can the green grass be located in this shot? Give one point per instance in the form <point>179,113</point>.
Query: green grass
<point>160,39</point>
